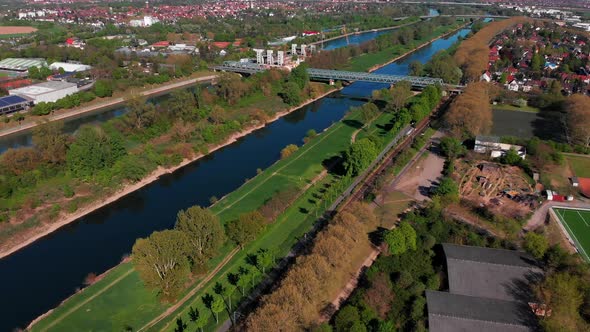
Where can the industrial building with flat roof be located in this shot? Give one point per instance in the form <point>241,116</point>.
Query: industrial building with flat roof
<point>11,104</point>
<point>21,64</point>
<point>489,291</point>
<point>48,92</point>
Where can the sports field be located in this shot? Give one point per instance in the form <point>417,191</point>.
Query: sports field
<point>577,224</point>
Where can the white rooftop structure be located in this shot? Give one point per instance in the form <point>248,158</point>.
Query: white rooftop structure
<point>69,67</point>
<point>21,64</point>
<point>48,92</point>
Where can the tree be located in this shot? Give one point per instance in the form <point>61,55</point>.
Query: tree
<point>205,234</point>
<point>401,239</point>
<point>141,114</point>
<point>264,259</point>
<point>536,62</point>
<point>161,261</point>
<point>447,189</point>
<point>399,94</point>
<point>369,112</point>
<point>470,113</point>
<point>288,150</point>
<point>416,68</point>
<point>217,306</point>
<point>50,141</point>
<point>244,278</point>
<point>578,119</point>
<point>93,150</point>
<point>246,228</point>
<point>451,147</point>
<point>299,76</point>
<point>346,318</point>
<point>359,156</point>
<point>536,244</point>
<point>197,317</point>
<point>291,94</point>
<point>103,89</point>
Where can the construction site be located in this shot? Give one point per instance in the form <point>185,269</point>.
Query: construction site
<point>502,189</point>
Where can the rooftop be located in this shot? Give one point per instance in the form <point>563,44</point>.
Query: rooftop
<point>22,63</point>
<point>451,312</point>
<point>12,100</point>
<point>42,88</point>
<point>493,273</point>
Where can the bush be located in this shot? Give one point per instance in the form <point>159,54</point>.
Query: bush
<point>68,191</point>
<point>289,150</point>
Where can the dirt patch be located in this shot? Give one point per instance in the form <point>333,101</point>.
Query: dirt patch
<point>13,30</point>
<point>503,190</point>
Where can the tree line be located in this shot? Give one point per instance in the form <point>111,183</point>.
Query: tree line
<point>340,57</point>
<point>472,54</point>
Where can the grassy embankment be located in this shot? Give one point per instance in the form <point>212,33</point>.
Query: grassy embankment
<point>366,61</point>
<point>113,308</point>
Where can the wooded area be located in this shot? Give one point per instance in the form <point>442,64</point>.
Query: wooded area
<point>470,114</point>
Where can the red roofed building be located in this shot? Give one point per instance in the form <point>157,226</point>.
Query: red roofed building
<point>161,44</point>
<point>14,84</point>
<point>221,45</point>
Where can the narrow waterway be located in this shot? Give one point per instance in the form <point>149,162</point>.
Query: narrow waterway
<point>38,277</point>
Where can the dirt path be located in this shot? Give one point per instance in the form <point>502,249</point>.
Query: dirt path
<point>67,313</point>
<point>188,296</point>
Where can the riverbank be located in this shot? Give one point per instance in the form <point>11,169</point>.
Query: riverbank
<point>400,57</point>
<point>110,102</point>
<point>366,31</point>
<point>32,235</point>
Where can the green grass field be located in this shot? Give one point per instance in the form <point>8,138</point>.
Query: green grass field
<point>120,300</point>
<point>577,224</point>
<point>580,165</point>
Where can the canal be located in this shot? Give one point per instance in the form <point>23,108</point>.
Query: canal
<point>38,277</point>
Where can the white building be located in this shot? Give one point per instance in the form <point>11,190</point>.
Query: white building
<point>48,92</point>
<point>69,67</point>
<point>492,145</point>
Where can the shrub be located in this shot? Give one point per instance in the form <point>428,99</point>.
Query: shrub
<point>288,150</point>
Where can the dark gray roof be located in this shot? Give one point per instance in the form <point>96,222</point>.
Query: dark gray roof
<point>489,255</point>
<point>451,313</point>
<point>492,273</point>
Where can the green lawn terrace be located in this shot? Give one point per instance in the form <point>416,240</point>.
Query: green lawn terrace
<point>576,225</point>
<point>120,301</point>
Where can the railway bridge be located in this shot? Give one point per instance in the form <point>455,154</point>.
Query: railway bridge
<point>417,82</point>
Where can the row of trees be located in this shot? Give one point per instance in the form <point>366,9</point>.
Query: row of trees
<point>295,304</point>
<point>577,109</point>
<point>470,114</point>
<point>472,54</point>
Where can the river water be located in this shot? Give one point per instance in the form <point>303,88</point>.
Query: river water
<point>40,276</point>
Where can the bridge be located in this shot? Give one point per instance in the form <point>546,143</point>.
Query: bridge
<point>249,68</point>
<point>351,76</point>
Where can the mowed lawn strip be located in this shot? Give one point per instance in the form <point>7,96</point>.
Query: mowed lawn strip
<point>577,224</point>
<point>284,233</point>
<point>580,165</point>
<point>139,306</point>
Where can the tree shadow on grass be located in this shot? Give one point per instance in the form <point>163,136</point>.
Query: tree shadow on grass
<point>334,165</point>
<point>353,123</point>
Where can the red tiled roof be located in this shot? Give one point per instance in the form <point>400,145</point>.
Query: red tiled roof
<point>585,186</point>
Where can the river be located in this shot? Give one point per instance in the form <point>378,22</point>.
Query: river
<point>38,277</point>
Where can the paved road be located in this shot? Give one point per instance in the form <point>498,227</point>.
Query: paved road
<point>109,103</point>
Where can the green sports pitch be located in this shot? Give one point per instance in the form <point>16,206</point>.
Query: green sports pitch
<point>577,224</point>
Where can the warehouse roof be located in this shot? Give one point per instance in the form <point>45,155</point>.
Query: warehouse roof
<point>41,88</point>
<point>69,67</point>
<point>12,100</point>
<point>21,63</point>
<point>451,312</point>
<point>494,273</point>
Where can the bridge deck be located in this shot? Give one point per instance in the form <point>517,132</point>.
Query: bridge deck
<point>339,75</point>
